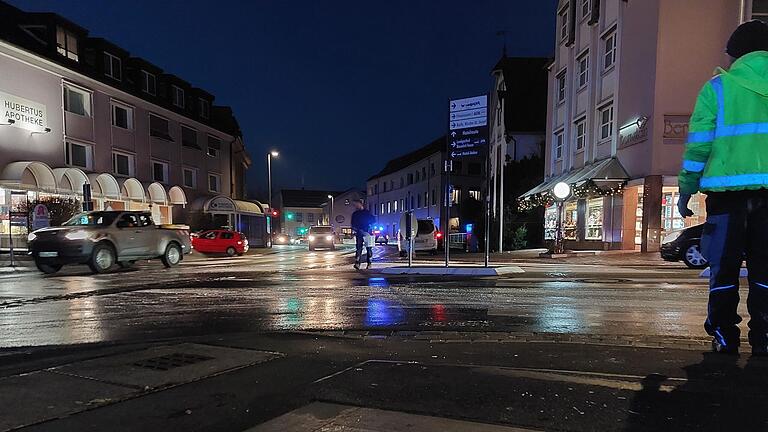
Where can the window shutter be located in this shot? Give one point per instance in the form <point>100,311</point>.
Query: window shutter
<point>571,23</point>
<point>595,12</point>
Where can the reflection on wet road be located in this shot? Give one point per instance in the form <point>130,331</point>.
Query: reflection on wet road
<point>290,289</point>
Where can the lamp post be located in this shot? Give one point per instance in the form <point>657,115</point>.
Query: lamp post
<point>561,192</point>
<point>270,155</point>
<point>330,215</point>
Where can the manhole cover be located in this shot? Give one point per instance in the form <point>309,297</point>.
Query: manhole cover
<point>171,361</point>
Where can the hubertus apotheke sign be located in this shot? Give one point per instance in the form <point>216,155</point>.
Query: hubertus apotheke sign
<point>24,113</point>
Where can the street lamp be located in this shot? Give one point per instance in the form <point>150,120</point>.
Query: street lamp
<point>270,155</point>
<point>330,215</point>
<point>561,192</point>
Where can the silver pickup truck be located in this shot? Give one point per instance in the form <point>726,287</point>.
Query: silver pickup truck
<point>102,239</point>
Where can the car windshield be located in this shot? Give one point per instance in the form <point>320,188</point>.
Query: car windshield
<point>426,227</point>
<point>92,219</point>
<point>321,230</point>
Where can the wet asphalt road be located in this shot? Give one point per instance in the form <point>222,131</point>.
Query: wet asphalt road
<point>292,289</point>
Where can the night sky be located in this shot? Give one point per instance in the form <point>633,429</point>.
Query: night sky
<point>338,87</point>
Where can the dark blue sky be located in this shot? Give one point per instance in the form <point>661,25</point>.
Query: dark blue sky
<point>338,87</point>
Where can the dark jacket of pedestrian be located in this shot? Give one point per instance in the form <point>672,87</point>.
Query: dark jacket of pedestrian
<point>362,221</point>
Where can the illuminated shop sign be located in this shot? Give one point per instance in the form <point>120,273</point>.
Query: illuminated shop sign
<point>24,113</point>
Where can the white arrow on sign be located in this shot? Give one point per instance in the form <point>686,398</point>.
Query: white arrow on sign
<point>453,134</point>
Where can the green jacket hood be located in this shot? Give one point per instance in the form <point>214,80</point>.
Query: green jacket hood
<point>751,72</point>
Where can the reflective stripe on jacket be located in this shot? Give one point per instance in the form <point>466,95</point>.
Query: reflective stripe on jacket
<point>727,148</point>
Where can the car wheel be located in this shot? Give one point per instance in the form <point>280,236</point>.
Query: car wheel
<point>231,251</point>
<point>102,258</point>
<point>172,255</point>
<point>126,264</point>
<point>693,258</point>
<point>48,268</point>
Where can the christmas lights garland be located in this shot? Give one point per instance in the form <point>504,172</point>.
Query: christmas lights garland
<point>586,190</point>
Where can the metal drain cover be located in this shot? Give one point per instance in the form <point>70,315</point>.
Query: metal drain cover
<point>171,361</point>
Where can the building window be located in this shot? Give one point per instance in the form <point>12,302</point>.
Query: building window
<point>609,57</point>
<point>571,220</point>
<point>190,177</point>
<point>189,137</point>
<point>412,206</point>
<point>376,189</point>
<point>214,183</point>
<point>432,169</point>
<point>581,134</point>
<point>559,145</point>
<point>122,116</point>
<point>417,176</point>
<point>606,122</point>
<point>300,217</point>
<point>122,164</point>
<point>402,182</point>
<point>394,205</point>
<point>402,204</point>
<point>66,44</point>
<point>310,218</point>
<point>160,172</point>
<point>77,101</point>
<point>455,195</point>
<point>563,17</point>
<point>424,172</point>
<point>760,10</point>
<point>586,8</point>
<point>434,198</point>
<point>456,167</point>
<point>389,207</point>
<point>383,207</point>
<point>214,146</point>
<point>112,66</point>
<point>418,201</point>
<point>474,168</point>
<point>148,83</point>
<point>205,108</point>
<point>410,179</point>
<point>178,96</point>
<point>159,127</point>
<point>474,193</point>
<point>385,186</point>
<point>594,219</point>
<point>561,87</point>
<point>583,62</point>
<point>79,155</point>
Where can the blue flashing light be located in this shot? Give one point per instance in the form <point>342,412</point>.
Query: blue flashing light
<point>468,228</point>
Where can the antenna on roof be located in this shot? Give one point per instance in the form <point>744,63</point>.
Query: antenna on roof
<point>503,34</point>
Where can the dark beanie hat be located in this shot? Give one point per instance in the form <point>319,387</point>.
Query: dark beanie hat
<point>749,37</point>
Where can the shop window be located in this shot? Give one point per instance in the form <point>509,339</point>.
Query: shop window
<point>77,101</point>
<point>122,116</point>
<point>160,172</point>
<point>570,221</point>
<point>148,83</point>
<point>159,127</point>
<point>112,66</point>
<point>178,96</point>
<point>594,219</point>
<point>66,44</point>
<point>122,164</point>
<point>214,183</point>
<point>79,155</point>
<point>190,178</point>
<point>550,222</point>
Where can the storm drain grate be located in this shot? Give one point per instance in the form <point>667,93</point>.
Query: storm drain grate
<point>171,361</point>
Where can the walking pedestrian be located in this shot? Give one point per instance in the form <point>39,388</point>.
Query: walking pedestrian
<point>361,223</point>
<point>726,158</point>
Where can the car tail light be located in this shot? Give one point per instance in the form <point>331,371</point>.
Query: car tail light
<point>438,235</point>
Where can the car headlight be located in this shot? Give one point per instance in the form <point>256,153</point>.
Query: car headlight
<point>329,238</point>
<point>669,238</point>
<point>31,236</point>
<point>311,238</point>
<point>77,235</point>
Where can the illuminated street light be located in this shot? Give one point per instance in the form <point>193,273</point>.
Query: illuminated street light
<point>562,191</point>
<point>270,155</point>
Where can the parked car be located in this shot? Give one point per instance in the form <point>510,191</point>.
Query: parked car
<point>220,241</point>
<point>282,239</point>
<point>427,236</point>
<point>684,245</point>
<point>321,237</point>
<point>102,239</point>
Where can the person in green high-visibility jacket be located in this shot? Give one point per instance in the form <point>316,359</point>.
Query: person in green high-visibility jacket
<point>726,157</point>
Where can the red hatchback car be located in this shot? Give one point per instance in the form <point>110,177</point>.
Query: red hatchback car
<point>220,241</point>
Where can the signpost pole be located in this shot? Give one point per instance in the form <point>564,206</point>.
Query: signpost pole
<point>488,208</point>
<point>447,204</point>
<point>10,236</point>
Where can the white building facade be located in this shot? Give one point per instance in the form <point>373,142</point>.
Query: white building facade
<point>622,87</point>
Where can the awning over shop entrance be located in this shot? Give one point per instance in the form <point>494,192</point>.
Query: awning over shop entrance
<point>223,204</point>
<point>133,190</point>
<point>70,179</point>
<point>176,195</point>
<point>104,185</point>
<point>157,193</point>
<point>29,175</point>
<point>604,174</point>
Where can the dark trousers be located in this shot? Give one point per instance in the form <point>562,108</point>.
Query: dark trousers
<point>359,243</point>
<point>737,227</point>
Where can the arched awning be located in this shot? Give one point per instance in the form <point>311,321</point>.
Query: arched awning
<point>176,195</point>
<point>104,185</point>
<point>219,204</point>
<point>133,190</point>
<point>70,179</point>
<point>247,207</point>
<point>29,174</point>
<point>157,193</point>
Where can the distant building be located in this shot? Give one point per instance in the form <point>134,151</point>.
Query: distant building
<point>518,122</point>
<point>300,209</point>
<point>341,215</point>
<point>416,181</point>
<point>622,87</point>
<point>77,110</point>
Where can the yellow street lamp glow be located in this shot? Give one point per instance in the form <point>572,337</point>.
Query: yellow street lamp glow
<point>274,153</point>
<point>562,191</point>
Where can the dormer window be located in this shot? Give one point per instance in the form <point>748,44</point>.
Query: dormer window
<point>205,108</point>
<point>148,83</point>
<point>66,44</point>
<point>112,66</point>
<point>178,96</point>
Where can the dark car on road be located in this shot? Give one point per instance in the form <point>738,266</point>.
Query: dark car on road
<point>321,237</point>
<point>685,245</point>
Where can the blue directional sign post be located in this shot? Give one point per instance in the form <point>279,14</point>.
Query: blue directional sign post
<point>467,138</point>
